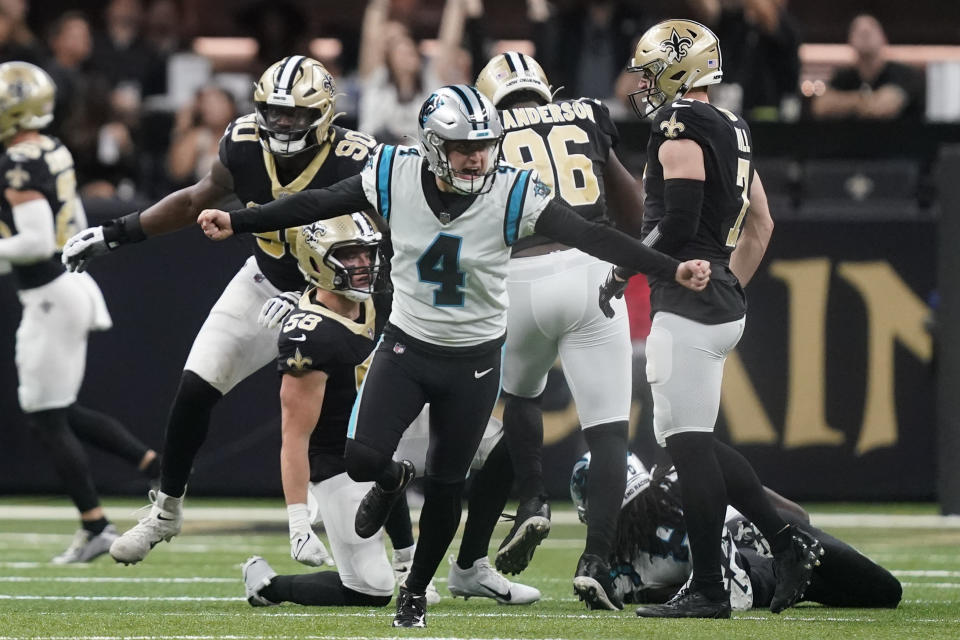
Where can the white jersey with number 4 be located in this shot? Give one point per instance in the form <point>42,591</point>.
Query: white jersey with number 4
<point>449,277</point>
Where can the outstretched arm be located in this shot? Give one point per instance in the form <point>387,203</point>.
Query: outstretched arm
<point>346,196</point>
<point>561,223</point>
<point>176,211</point>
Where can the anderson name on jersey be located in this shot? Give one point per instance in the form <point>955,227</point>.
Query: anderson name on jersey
<point>314,338</point>
<point>449,273</point>
<point>568,143</point>
<point>728,164</point>
<point>42,164</point>
<point>255,180</point>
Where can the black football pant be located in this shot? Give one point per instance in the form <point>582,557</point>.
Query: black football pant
<point>461,386</point>
<point>845,577</point>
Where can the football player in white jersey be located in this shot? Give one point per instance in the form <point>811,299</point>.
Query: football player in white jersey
<point>553,312</point>
<point>454,212</point>
<point>39,208</point>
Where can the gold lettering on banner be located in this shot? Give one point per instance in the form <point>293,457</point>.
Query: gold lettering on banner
<point>808,284</point>
<point>894,314</point>
<point>747,421</point>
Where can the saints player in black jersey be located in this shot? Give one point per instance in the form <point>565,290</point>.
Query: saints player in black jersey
<point>39,210</point>
<point>288,145</point>
<point>553,313</point>
<point>703,198</point>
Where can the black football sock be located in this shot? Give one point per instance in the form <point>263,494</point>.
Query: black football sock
<point>68,456</point>
<point>489,488</point>
<point>106,433</point>
<point>95,527</point>
<point>704,498</point>
<point>523,431</point>
<point>322,588</point>
<point>608,479</point>
<point>398,525</point>
<point>186,431</point>
<point>746,494</point>
<point>439,520</point>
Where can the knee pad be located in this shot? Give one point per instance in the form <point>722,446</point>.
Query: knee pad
<point>363,463</point>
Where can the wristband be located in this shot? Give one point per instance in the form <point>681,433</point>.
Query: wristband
<point>123,230</point>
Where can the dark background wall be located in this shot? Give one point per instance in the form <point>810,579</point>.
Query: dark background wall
<point>831,393</point>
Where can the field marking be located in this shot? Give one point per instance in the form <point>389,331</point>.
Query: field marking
<point>105,579</point>
<point>279,515</point>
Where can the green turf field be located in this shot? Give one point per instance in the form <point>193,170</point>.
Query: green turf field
<point>191,588</point>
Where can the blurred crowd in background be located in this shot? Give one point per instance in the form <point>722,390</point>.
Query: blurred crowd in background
<point>143,96</point>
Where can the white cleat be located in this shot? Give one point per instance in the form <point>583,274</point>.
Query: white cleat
<point>163,523</point>
<point>257,575</point>
<point>402,561</point>
<point>85,546</point>
<point>482,581</point>
<point>306,548</point>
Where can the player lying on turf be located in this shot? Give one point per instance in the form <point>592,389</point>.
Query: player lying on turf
<point>652,558</point>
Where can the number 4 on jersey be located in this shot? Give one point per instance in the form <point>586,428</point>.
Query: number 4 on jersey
<point>440,264</point>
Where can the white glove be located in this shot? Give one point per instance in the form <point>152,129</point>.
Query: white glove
<point>306,548</point>
<point>82,248</point>
<point>274,310</point>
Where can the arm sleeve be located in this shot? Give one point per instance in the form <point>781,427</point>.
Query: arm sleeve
<point>564,225</point>
<point>35,239</point>
<point>682,199</point>
<point>346,196</point>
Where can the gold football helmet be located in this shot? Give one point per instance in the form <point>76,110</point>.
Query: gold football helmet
<point>324,247</point>
<point>674,57</point>
<point>26,98</point>
<point>512,72</point>
<point>295,100</point>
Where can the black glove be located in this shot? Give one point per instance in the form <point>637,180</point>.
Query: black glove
<point>613,287</point>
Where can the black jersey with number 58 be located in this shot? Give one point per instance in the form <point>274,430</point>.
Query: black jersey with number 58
<point>726,143</point>
<point>256,181</point>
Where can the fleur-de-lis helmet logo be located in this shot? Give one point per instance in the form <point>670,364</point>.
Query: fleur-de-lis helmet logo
<point>676,46</point>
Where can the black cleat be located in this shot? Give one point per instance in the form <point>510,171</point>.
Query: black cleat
<point>793,568</point>
<point>530,526</point>
<point>375,506</point>
<point>411,609</point>
<point>687,604</point>
<point>594,584</point>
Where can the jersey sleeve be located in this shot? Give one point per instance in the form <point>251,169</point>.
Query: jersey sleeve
<point>351,149</point>
<point>527,199</point>
<point>377,177</point>
<point>242,131</point>
<point>309,342</point>
<point>605,122</point>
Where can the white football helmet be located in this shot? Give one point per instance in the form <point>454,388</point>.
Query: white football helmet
<point>638,479</point>
<point>460,114</point>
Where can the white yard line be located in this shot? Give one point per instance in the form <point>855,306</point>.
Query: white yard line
<point>279,515</point>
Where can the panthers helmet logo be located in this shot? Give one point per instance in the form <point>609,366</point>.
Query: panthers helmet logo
<point>676,47</point>
<point>432,104</point>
